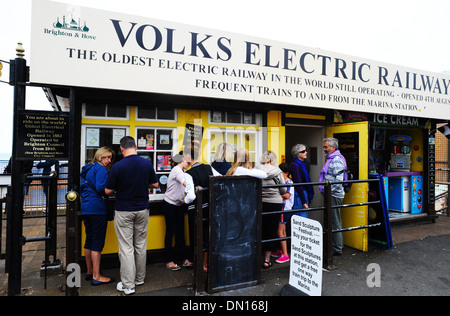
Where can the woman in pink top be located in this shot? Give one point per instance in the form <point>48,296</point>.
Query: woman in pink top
<point>174,211</point>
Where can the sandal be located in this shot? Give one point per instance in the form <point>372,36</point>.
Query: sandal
<point>187,264</point>
<point>267,264</point>
<point>173,267</point>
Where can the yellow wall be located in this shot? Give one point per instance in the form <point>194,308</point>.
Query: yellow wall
<point>276,135</point>
<point>417,140</point>
<point>155,236</point>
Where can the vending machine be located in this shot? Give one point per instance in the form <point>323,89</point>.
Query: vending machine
<point>400,194</point>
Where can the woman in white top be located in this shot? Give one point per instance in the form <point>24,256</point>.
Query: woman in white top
<point>174,210</point>
<point>243,166</point>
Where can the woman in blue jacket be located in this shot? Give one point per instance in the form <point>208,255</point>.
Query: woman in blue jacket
<point>93,210</point>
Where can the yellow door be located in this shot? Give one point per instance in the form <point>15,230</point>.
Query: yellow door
<point>353,143</point>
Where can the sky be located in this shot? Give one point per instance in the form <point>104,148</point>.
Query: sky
<point>410,33</point>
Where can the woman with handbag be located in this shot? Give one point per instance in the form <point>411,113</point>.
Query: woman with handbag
<point>272,201</point>
<point>94,211</point>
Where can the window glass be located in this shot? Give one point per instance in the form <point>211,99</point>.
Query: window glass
<point>237,138</point>
<point>117,111</point>
<point>166,114</point>
<point>232,117</point>
<point>218,116</point>
<point>155,113</point>
<point>145,112</point>
<point>97,137</point>
<point>95,110</point>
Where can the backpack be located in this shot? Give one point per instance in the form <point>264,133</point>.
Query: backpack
<point>348,176</point>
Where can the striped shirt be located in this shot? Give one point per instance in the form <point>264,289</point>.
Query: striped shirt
<point>335,174</point>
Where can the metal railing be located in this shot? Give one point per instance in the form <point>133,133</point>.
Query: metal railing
<point>49,211</point>
<point>327,208</point>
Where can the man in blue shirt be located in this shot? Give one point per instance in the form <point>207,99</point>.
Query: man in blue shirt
<point>131,179</point>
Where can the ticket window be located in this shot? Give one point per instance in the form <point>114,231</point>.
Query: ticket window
<point>157,145</point>
<point>237,138</point>
<point>246,132</point>
<point>97,137</point>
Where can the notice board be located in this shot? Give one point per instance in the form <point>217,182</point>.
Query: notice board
<point>43,135</point>
<point>307,256</point>
<point>235,233</point>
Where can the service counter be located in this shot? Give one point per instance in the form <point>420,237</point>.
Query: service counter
<point>155,235</point>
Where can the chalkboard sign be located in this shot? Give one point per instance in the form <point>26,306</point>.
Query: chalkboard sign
<point>235,233</point>
<point>379,213</point>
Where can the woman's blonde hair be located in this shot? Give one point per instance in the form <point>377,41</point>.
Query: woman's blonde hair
<point>241,159</point>
<point>224,152</point>
<point>269,156</point>
<point>101,153</point>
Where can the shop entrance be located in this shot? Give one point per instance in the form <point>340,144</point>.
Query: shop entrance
<point>311,137</point>
<point>353,144</point>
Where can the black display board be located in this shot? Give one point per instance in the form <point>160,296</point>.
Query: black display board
<point>43,135</point>
<point>349,148</point>
<point>379,213</point>
<point>235,233</point>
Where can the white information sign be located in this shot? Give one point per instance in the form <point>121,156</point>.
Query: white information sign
<point>84,47</point>
<point>306,255</point>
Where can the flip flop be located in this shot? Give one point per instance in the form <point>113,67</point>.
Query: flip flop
<point>188,264</point>
<point>173,267</point>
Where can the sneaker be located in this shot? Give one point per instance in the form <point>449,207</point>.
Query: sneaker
<point>276,254</point>
<point>125,290</point>
<point>282,259</point>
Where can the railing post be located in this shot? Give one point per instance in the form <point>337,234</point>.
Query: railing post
<point>72,207</point>
<point>3,200</point>
<point>328,245</point>
<point>199,280</point>
<point>51,229</point>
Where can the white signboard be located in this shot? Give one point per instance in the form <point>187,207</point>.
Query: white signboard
<point>306,255</point>
<point>77,46</point>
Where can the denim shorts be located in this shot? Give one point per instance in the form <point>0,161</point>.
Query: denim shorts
<point>95,232</point>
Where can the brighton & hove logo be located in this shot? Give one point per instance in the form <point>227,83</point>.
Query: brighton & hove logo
<point>70,27</point>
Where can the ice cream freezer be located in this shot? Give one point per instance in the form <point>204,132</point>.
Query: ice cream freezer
<point>404,192</point>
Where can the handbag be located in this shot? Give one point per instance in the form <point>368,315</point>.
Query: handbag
<point>110,203</point>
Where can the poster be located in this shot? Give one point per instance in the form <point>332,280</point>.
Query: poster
<point>307,255</point>
<point>93,137</point>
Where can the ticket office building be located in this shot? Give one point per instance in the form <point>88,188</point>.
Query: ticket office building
<point>159,124</point>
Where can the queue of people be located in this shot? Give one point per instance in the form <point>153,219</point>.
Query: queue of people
<point>131,177</point>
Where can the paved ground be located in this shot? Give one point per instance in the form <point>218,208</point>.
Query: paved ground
<point>417,265</point>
